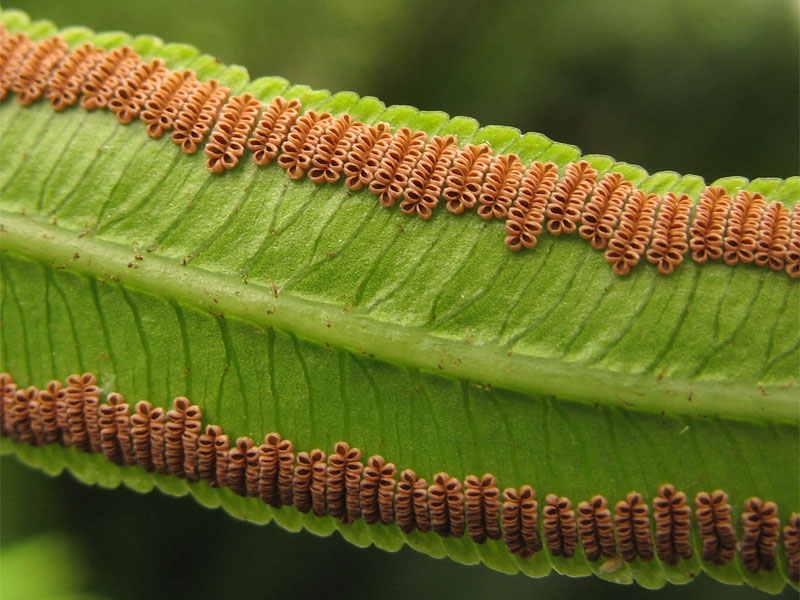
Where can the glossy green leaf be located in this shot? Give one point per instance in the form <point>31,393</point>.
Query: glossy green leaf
<point>312,311</point>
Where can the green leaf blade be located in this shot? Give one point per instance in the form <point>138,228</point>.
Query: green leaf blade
<point>311,311</point>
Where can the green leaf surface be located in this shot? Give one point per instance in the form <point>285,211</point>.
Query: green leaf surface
<point>310,310</point>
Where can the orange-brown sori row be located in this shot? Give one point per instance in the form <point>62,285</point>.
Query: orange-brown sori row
<point>406,167</point>
<point>342,485</point>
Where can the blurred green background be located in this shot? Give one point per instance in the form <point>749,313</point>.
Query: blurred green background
<point>705,87</point>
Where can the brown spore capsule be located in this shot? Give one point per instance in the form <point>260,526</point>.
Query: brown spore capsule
<point>198,114</point>
<point>166,101</point>
<point>272,129</point>
<point>332,149</point>
<point>173,436</point>
<point>713,514</point>
<point>669,242</point>
<point>377,491</point>
<point>285,471</point>
<point>123,425</point>
<point>344,475</point>
<point>601,213</point>
<point>672,516</point>
<point>761,529</point>
<point>276,469</point>
<point>140,432</point>
<point>464,180</point>
<point>446,506</point>
<point>773,236</point>
<point>793,249</point>
<point>65,83</point>
<point>365,155</point>
<point>7,389</point>
<point>252,472</point>
<point>566,202</point>
<point>482,506</point>
<point>20,419</point>
<point>48,413</point>
<point>741,232</point>
<point>62,417</point>
<point>131,95</point>
<point>82,398</point>
<point>521,521</point>
<point>222,447</point>
<point>207,455</point>
<point>35,416</point>
<point>229,138</point>
<point>190,437</point>
<point>632,527</point>
<point>630,239</point>
<point>237,465</point>
<point>411,503</point>
<point>526,215</point>
<point>158,442</point>
<point>428,177</point>
<point>500,186</point>
<point>31,80</point>
<point>106,76</point>
<point>294,155</point>
<point>319,482</point>
<point>311,146</point>
<point>596,529</point>
<point>109,434</point>
<point>791,546</point>
<point>391,176</point>
<point>560,528</point>
<point>707,231</point>
<point>13,53</point>
<point>302,481</point>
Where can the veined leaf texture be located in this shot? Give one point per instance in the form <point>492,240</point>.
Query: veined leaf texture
<point>532,410</point>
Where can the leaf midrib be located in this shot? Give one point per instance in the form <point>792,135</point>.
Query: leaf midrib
<point>338,326</point>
